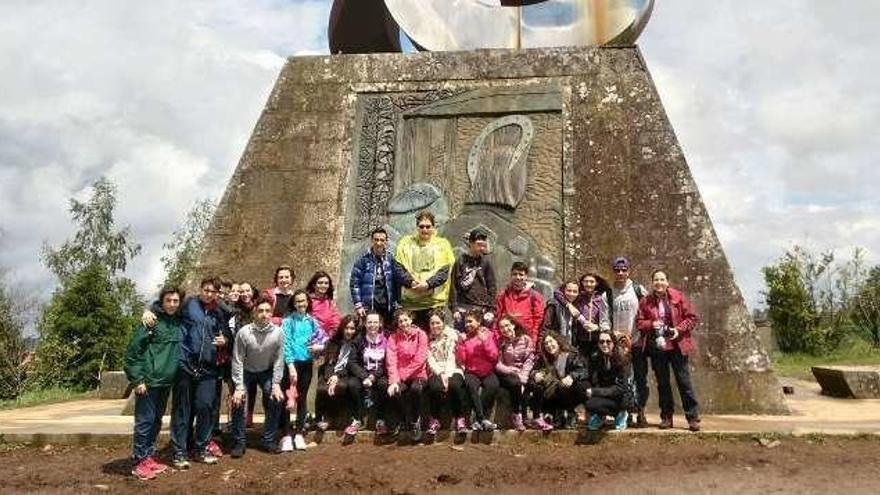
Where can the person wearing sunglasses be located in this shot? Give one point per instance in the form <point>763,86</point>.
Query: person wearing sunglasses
<point>428,259</point>
<point>625,297</point>
<point>666,320</point>
<point>609,393</point>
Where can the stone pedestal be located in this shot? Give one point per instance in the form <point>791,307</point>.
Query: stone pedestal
<point>572,144</point>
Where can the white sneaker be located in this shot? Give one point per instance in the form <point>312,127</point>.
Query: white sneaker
<point>286,443</point>
<point>299,442</point>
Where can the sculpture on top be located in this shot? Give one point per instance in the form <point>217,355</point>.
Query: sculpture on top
<point>367,26</point>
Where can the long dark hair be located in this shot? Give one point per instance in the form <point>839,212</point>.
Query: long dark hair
<point>291,305</point>
<point>619,356</point>
<point>311,286</point>
<point>518,329</point>
<point>564,346</point>
<point>602,285</point>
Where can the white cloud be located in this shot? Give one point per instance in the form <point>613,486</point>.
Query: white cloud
<point>160,96</point>
<point>775,104</point>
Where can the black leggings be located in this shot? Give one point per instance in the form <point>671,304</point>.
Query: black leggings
<point>347,389</point>
<point>456,396</point>
<point>303,382</point>
<point>517,391</point>
<point>561,398</point>
<point>482,392</point>
<point>408,401</point>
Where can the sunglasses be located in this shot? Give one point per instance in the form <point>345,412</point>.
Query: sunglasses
<point>604,341</point>
<point>621,270</point>
<point>425,227</point>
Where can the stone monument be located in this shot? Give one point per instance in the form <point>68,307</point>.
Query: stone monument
<point>564,154</point>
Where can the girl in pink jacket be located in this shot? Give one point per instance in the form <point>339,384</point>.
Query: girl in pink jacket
<point>517,357</point>
<point>477,355</point>
<point>320,290</point>
<point>406,359</point>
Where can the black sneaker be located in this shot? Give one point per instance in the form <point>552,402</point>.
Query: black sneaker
<point>237,451</point>
<point>417,433</point>
<point>272,448</point>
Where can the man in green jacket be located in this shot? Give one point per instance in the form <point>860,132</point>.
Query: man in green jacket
<point>151,363</point>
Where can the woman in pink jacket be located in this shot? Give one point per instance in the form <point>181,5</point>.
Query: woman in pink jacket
<point>666,319</point>
<point>517,357</point>
<point>477,355</point>
<point>406,360</point>
<point>320,291</point>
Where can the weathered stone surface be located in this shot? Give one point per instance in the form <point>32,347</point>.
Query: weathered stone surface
<point>856,382</point>
<point>606,177</point>
<point>114,385</point>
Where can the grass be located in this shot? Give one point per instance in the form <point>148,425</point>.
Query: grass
<point>798,365</point>
<point>45,396</point>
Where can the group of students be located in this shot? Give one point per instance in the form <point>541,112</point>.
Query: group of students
<point>431,337</point>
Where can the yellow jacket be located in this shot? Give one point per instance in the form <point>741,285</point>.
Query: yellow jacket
<point>431,263</point>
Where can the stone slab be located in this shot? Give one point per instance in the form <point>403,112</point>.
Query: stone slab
<point>857,382</point>
<point>114,385</point>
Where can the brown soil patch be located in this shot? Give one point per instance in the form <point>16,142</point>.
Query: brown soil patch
<point>620,464</point>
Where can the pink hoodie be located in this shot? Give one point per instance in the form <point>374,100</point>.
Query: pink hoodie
<point>407,356</point>
<point>324,310</point>
<point>476,355</point>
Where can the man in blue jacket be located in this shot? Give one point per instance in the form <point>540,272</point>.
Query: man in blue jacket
<point>204,340</point>
<point>376,278</point>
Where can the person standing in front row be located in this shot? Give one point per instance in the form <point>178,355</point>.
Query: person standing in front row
<point>151,366</point>
<point>376,278</point>
<point>258,358</point>
<point>428,259</point>
<point>666,320</point>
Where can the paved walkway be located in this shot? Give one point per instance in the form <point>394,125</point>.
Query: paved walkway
<point>100,420</point>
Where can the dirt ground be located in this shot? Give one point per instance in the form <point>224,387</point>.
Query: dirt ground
<point>617,464</point>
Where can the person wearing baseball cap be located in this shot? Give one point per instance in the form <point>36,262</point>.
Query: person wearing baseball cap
<point>626,295</point>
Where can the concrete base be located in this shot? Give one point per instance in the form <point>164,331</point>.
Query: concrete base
<point>858,382</point>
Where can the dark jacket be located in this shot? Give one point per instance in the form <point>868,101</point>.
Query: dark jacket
<point>362,283</point>
<point>574,366</point>
<point>473,283</point>
<point>683,314</point>
<point>610,379</point>
<point>198,355</point>
<point>557,318</point>
<point>152,354</point>
<point>364,362</point>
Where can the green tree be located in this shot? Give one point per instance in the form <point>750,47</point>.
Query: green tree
<point>182,251</point>
<point>89,318</point>
<point>788,304</point>
<point>12,350</point>
<point>866,307</point>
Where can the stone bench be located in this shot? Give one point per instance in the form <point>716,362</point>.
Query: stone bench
<point>858,382</point>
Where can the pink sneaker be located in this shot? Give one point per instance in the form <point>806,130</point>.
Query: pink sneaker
<point>461,425</point>
<point>517,421</point>
<point>156,466</point>
<point>381,427</point>
<point>353,428</point>
<point>433,426</point>
<point>542,425</point>
<point>143,471</point>
<point>214,448</point>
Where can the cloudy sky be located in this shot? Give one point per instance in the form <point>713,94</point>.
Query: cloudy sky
<point>775,103</point>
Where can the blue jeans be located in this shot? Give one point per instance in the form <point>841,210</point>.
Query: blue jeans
<point>193,399</point>
<point>148,411</point>
<point>271,407</point>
